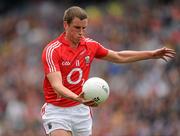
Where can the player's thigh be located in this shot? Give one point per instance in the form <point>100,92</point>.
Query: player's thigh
<point>82,121</point>
<point>56,121</point>
<point>60,132</point>
<point>82,134</point>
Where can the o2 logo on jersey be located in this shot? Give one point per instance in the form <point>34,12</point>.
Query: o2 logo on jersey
<point>79,70</point>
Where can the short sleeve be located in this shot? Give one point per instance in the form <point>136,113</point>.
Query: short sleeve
<point>50,59</point>
<point>100,51</point>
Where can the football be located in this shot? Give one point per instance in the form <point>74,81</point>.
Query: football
<point>96,89</point>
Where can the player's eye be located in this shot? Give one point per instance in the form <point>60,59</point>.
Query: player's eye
<point>77,27</point>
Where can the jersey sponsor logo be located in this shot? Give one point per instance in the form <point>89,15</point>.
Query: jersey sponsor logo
<point>79,70</point>
<point>66,63</point>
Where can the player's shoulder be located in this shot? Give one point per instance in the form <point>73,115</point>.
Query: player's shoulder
<point>90,41</point>
<point>54,42</point>
<point>52,45</point>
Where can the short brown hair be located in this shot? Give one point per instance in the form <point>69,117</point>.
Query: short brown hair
<point>73,12</point>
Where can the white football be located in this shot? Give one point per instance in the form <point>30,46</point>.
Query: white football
<point>96,89</point>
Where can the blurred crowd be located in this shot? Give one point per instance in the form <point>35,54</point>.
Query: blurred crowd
<point>145,96</point>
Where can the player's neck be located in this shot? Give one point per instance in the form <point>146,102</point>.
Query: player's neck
<point>72,43</point>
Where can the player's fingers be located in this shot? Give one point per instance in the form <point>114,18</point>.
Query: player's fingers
<point>164,49</point>
<point>94,104</point>
<point>171,52</point>
<point>88,102</point>
<point>164,58</point>
<point>91,103</point>
<point>169,55</point>
<point>168,49</point>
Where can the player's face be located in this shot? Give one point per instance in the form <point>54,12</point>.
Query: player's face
<point>76,30</point>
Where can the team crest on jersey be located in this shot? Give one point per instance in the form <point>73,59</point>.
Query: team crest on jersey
<point>87,59</point>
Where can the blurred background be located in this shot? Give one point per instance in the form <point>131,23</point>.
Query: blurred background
<point>145,96</point>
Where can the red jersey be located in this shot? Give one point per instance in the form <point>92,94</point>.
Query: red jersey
<point>74,65</point>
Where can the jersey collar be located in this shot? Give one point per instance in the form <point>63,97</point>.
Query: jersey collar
<point>65,42</point>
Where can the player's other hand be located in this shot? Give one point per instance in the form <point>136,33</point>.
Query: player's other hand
<point>90,103</point>
<point>163,53</point>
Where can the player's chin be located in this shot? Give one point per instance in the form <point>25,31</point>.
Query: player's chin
<point>79,37</point>
<point>77,40</point>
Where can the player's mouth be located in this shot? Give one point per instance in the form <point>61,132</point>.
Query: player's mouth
<point>79,37</point>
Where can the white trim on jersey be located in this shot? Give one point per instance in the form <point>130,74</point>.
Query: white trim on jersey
<point>91,40</point>
<point>49,52</point>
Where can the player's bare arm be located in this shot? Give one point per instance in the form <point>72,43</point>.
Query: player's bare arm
<point>55,80</point>
<point>132,56</point>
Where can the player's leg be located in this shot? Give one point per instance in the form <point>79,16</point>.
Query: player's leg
<point>56,121</point>
<point>82,134</point>
<point>82,121</point>
<point>60,132</point>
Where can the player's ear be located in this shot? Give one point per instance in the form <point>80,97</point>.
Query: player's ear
<point>65,25</point>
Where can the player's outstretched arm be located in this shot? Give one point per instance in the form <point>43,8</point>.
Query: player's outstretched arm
<point>132,56</point>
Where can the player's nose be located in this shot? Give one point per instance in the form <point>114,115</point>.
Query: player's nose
<point>81,32</point>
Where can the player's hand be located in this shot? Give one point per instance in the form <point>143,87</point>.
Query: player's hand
<point>163,53</point>
<point>90,103</point>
